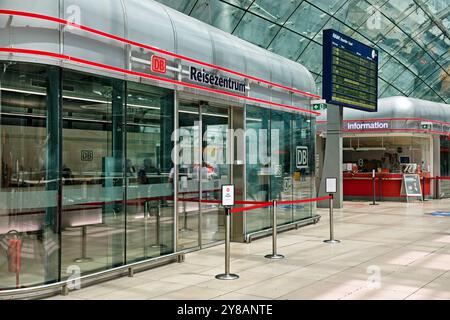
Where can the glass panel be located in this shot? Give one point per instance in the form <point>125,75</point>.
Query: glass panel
<point>397,9</point>
<point>276,11</point>
<point>218,14</point>
<point>311,57</point>
<point>307,20</point>
<point>354,13</point>
<point>189,180</point>
<point>257,166</point>
<point>391,70</point>
<point>215,171</point>
<point>256,30</point>
<point>93,219</point>
<point>149,172</point>
<point>244,4</point>
<point>29,252</point>
<point>281,177</point>
<point>329,6</point>
<point>303,175</point>
<point>288,44</point>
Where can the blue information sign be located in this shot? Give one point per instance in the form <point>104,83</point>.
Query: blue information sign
<point>350,72</point>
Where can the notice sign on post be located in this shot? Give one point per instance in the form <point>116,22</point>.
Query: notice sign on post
<point>228,195</point>
<point>411,185</point>
<point>331,185</point>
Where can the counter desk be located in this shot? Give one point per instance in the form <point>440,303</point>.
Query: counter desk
<point>358,186</point>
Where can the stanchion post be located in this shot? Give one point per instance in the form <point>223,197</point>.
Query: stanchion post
<point>437,188</point>
<point>83,257</point>
<point>423,189</point>
<point>373,189</point>
<point>227,275</point>
<point>227,203</point>
<point>331,240</point>
<point>274,254</point>
<point>158,244</point>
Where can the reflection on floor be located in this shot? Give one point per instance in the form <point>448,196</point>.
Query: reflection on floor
<point>393,251</point>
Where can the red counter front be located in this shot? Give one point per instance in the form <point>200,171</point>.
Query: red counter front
<point>359,186</point>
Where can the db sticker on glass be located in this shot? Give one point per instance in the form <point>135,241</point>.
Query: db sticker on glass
<point>228,195</point>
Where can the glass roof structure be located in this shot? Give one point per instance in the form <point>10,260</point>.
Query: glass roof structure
<point>412,36</point>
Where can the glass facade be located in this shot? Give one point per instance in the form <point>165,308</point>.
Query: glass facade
<point>88,178</point>
<point>85,175</point>
<point>413,37</point>
<point>274,168</point>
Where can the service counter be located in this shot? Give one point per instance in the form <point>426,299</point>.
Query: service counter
<point>359,186</point>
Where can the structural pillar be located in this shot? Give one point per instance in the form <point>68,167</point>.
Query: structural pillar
<point>332,167</point>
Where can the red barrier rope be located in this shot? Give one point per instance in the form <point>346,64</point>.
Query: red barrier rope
<point>304,200</point>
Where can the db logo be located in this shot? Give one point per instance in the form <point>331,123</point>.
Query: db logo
<point>158,64</point>
<point>302,157</point>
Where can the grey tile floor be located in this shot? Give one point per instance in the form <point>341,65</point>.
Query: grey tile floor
<point>392,251</point>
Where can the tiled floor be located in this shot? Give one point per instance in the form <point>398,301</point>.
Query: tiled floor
<point>391,251</point>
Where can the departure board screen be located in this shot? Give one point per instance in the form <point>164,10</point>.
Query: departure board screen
<point>350,72</point>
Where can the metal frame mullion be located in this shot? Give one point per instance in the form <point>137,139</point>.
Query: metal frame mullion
<point>200,189</point>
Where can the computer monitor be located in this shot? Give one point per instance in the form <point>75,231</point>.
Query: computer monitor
<point>404,159</point>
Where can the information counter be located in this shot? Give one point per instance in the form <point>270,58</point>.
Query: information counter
<point>388,186</point>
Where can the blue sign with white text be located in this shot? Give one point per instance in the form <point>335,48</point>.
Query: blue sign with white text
<point>350,72</point>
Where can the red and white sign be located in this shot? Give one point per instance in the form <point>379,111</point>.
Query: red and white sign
<point>228,195</point>
<point>159,64</point>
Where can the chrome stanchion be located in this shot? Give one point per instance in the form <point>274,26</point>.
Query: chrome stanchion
<point>185,227</point>
<point>227,275</point>
<point>274,254</point>
<point>373,189</point>
<point>83,257</point>
<point>158,223</point>
<point>331,240</point>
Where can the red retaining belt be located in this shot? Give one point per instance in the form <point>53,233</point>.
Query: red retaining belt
<point>304,200</point>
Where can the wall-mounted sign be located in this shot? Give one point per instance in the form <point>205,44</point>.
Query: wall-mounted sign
<point>204,77</point>
<point>350,72</point>
<point>159,64</point>
<point>301,157</point>
<point>87,155</point>
<point>377,125</point>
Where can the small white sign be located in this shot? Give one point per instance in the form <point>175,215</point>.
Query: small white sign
<point>228,195</point>
<point>330,186</point>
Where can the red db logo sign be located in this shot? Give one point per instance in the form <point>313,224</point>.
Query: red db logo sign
<point>158,64</point>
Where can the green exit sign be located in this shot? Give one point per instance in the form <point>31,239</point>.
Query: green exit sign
<point>318,107</point>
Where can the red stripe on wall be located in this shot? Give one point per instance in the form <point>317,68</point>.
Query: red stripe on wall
<point>165,52</point>
<point>144,75</point>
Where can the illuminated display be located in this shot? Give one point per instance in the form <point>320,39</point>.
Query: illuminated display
<point>350,72</point>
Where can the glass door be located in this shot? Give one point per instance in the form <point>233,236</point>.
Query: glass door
<point>188,178</point>
<point>203,167</point>
<point>215,171</point>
